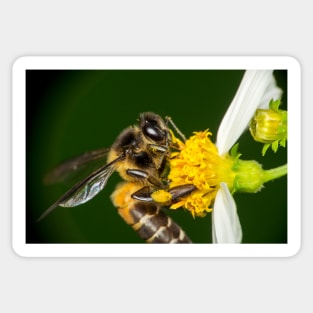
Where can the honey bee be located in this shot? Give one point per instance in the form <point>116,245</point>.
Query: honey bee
<point>140,155</point>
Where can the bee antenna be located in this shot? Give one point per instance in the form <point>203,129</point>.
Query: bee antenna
<point>168,119</point>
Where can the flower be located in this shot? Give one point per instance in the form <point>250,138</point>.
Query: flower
<point>215,170</point>
<point>199,163</point>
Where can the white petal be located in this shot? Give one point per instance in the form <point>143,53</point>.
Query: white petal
<point>226,226</point>
<point>272,92</point>
<point>251,91</point>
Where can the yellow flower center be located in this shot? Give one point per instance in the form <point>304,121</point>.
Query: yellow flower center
<point>199,163</point>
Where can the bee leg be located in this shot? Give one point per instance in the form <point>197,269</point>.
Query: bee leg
<point>160,151</point>
<point>139,174</point>
<point>143,194</point>
<point>181,191</point>
<point>142,175</point>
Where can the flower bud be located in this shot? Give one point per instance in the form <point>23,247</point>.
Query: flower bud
<point>249,176</point>
<point>269,126</point>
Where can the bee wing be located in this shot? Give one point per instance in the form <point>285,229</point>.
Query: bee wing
<point>86,189</point>
<point>89,159</point>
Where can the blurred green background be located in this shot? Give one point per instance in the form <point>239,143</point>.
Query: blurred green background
<point>69,112</point>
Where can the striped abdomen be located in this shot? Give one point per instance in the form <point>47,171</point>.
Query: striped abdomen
<point>147,219</point>
<point>152,224</point>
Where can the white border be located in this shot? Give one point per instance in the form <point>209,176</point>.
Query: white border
<point>141,250</point>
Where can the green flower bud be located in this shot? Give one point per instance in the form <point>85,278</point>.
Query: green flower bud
<point>269,126</point>
<point>248,176</point>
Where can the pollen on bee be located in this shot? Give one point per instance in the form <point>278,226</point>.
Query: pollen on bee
<point>161,196</point>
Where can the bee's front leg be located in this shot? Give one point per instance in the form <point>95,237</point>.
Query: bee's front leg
<point>144,176</point>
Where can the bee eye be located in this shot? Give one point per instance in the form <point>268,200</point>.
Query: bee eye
<point>153,132</point>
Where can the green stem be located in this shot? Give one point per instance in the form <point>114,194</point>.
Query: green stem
<point>274,173</point>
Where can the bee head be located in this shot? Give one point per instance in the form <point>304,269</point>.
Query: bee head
<point>153,127</point>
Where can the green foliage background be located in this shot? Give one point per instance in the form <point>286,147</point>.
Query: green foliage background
<point>69,112</point>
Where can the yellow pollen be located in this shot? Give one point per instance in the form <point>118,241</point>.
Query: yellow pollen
<point>197,162</point>
<point>161,196</point>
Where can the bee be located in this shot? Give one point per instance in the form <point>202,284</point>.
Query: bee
<point>140,155</point>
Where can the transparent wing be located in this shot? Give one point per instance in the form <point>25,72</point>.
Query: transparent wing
<point>86,189</point>
<point>87,161</point>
